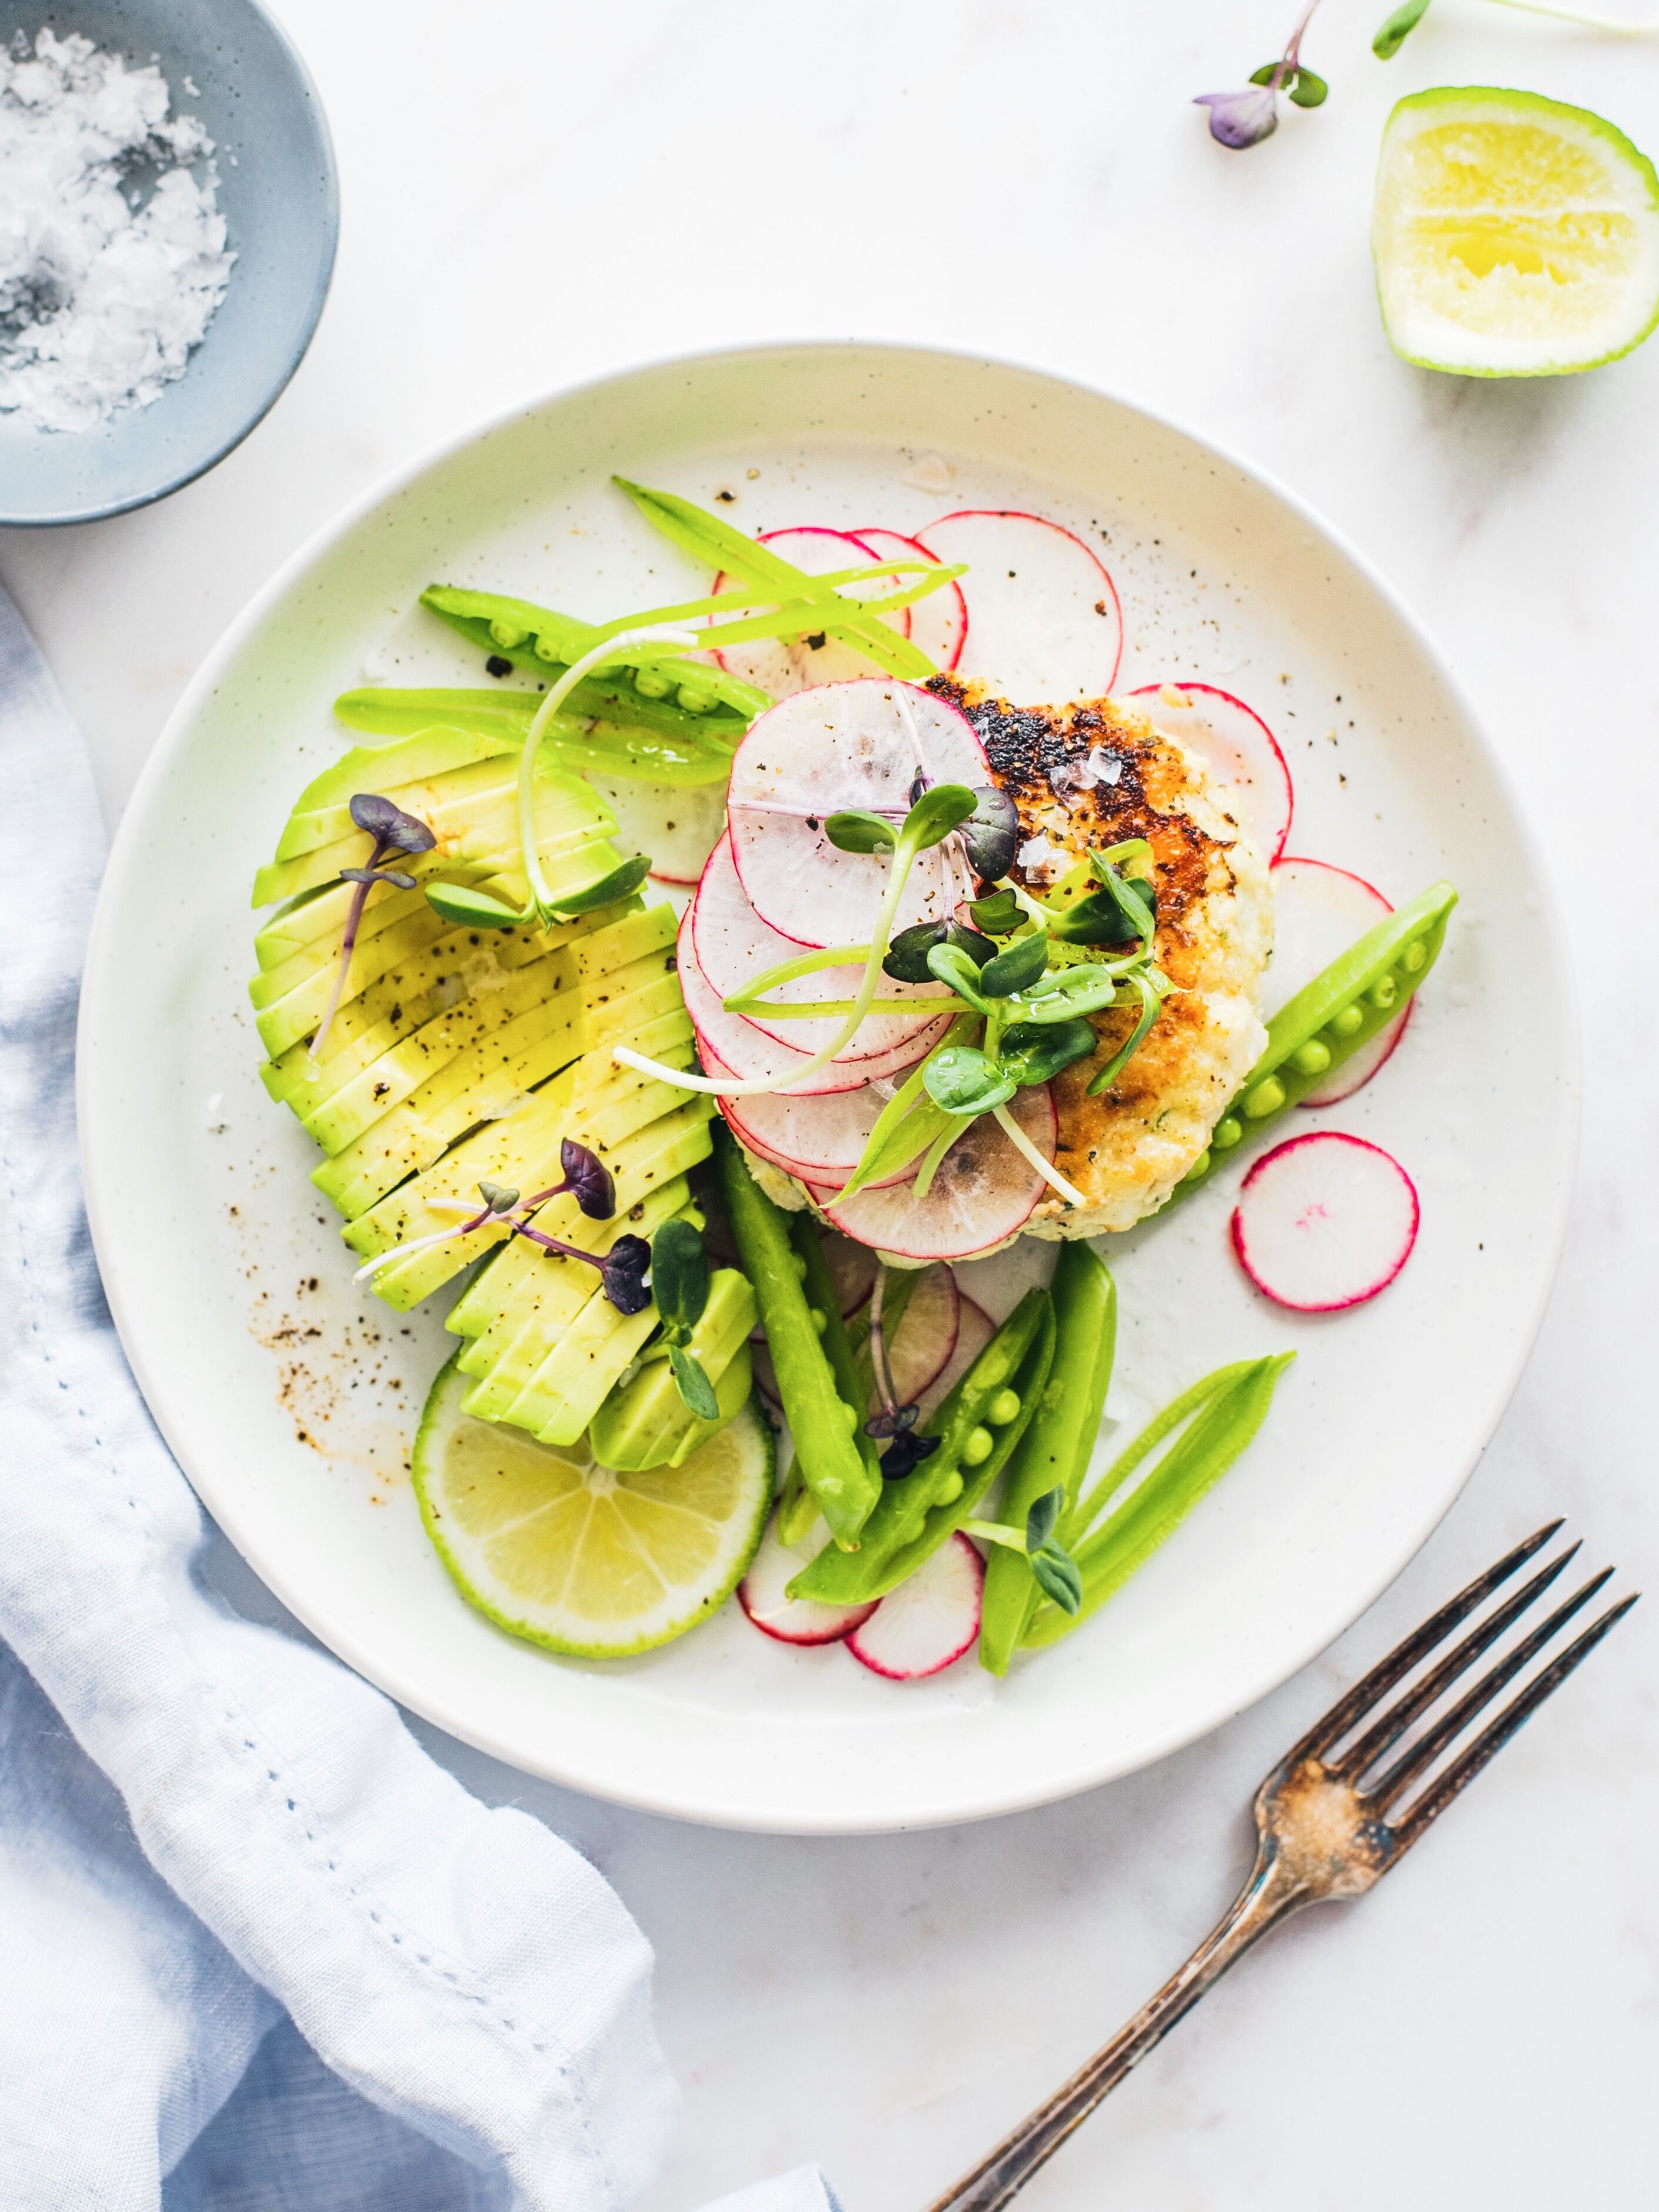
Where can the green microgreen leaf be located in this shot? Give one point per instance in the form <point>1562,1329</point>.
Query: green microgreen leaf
<point>1041,1520</point>
<point>1151,1003</point>
<point>936,814</point>
<point>853,830</point>
<point>680,1278</point>
<point>998,916</point>
<point>962,1080</point>
<point>1068,992</point>
<point>470,909</point>
<point>1023,964</point>
<point>1034,1052</point>
<point>907,955</point>
<point>621,882</point>
<point>1393,33</point>
<point>1059,1578</point>
<point>950,964</point>
<point>696,1391</point>
<point>1308,90</point>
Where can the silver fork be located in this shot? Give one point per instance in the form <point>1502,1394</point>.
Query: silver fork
<point>1320,1825</point>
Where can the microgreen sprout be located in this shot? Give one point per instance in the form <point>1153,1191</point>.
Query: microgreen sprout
<point>1053,1567</point>
<point>679,1284</point>
<point>895,1425</point>
<point>392,831</point>
<point>1238,119</point>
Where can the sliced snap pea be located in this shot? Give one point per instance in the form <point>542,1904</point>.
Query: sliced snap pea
<point>551,642</point>
<point>574,742</point>
<point>915,1517</point>
<point>820,1289</point>
<point>1330,1018</point>
<point>822,1421</point>
<point>1053,1451</point>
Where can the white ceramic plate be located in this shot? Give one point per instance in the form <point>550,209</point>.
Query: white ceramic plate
<point>290,1400</point>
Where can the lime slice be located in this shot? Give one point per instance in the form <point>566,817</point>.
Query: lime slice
<point>1514,236</point>
<point>552,1546</point>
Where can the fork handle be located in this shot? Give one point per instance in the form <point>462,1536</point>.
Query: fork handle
<point>1268,1897</point>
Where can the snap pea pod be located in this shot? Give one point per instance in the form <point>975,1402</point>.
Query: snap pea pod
<point>611,748</point>
<point>820,1290</point>
<point>916,1514</point>
<point>797,1509</point>
<point>1328,1019</point>
<point>821,1420</point>
<point>707,538</point>
<point>1156,1508</point>
<point>683,695</point>
<point>1054,1452</point>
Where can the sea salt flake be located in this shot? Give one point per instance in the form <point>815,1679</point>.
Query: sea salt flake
<point>1040,860</point>
<point>113,255</point>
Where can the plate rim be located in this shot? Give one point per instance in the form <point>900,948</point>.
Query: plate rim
<point>968,1805</point>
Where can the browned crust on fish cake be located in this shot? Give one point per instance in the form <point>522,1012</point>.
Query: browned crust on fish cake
<point>1127,1149</point>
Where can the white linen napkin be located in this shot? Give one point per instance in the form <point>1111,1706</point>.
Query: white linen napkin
<point>219,1824</point>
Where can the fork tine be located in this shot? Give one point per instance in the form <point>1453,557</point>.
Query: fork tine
<point>1331,1726</point>
<point>1446,1730</point>
<point>1492,1738</point>
<point>1370,1747</point>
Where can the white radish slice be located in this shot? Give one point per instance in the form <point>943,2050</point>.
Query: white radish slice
<point>852,1270</point>
<point>928,1623</point>
<point>938,623</point>
<point>762,1594</point>
<point>727,1045</point>
<point>983,1192</point>
<point>734,946</point>
<point>1318,912</point>
<point>975,1329</point>
<point>675,825</point>
<point>785,666</point>
<point>1044,620</point>
<point>1325,1222</point>
<point>815,1139</point>
<point>1238,747</point>
<point>920,1349</point>
<point>845,746</point>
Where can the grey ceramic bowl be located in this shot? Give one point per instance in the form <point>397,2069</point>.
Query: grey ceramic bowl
<point>278,194</point>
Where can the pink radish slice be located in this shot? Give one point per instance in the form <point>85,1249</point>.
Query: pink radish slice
<point>1044,620</point>
<point>813,1138</point>
<point>920,1349</point>
<point>1235,745</point>
<point>975,1329</point>
<point>1324,1222</point>
<point>938,623</point>
<point>734,946</point>
<point>1318,912</point>
<point>844,745</point>
<point>925,1624</point>
<point>676,826</point>
<point>727,1045</point>
<point>983,1193</point>
<point>791,1620</point>
<point>785,666</point>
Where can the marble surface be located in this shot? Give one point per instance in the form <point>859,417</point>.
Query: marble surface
<point>546,193</point>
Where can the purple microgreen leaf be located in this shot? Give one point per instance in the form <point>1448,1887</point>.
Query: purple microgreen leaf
<point>389,825</point>
<point>905,1454</point>
<point>1238,119</point>
<point>895,1421</point>
<point>588,1180</point>
<point>622,1274</point>
<point>378,876</point>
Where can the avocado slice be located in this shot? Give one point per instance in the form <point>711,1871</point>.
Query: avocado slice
<point>646,1422</point>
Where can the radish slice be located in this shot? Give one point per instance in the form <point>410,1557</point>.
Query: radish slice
<point>815,1139</point>
<point>1325,1222</point>
<point>785,666</point>
<point>728,1045</point>
<point>920,1349</point>
<point>852,1270</point>
<point>938,623</point>
<point>791,1620</point>
<point>734,946</point>
<point>925,1624</point>
<point>1318,912</point>
<point>975,1329</point>
<point>983,1193</point>
<point>1044,620</point>
<point>845,746</point>
<point>1235,745</point>
<point>676,826</point>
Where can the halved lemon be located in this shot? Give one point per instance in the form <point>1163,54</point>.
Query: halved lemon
<point>1514,236</point>
<point>552,1546</point>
